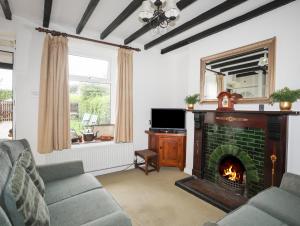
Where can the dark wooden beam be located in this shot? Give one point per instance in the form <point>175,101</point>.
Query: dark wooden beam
<point>6,9</point>
<point>237,61</point>
<point>246,74</point>
<point>87,14</point>
<point>6,66</point>
<point>215,11</point>
<point>228,24</point>
<point>240,66</point>
<point>134,5</point>
<point>245,70</point>
<point>147,27</point>
<point>47,12</point>
<point>236,56</point>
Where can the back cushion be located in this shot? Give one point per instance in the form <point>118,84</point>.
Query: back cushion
<point>23,201</point>
<point>27,161</point>
<point>14,148</point>
<point>5,168</point>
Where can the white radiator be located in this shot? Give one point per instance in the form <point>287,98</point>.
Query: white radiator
<point>97,158</point>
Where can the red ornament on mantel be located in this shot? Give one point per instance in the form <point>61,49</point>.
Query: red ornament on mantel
<point>227,100</point>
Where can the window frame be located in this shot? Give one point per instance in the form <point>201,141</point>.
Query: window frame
<point>94,80</point>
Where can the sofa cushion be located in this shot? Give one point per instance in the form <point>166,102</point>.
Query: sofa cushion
<point>27,161</point>
<point>291,183</point>
<point>83,208</point>
<point>280,203</point>
<point>117,218</point>
<point>14,148</point>
<point>4,221</point>
<point>249,216</point>
<point>23,201</point>
<point>69,187</point>
<point>5,168</point>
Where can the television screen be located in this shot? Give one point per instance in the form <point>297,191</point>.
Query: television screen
<point>167,118</point>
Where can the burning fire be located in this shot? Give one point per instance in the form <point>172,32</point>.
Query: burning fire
<point>231,174</point>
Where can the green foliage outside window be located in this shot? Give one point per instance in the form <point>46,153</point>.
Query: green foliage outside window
<point>93,99</point>
<point>5,94</point>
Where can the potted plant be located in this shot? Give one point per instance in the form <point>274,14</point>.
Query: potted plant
<point>191,101</point>
<point>285,97</point>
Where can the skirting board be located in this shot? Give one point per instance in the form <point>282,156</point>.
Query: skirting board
<point>188,171</point>
<point>112,170</point>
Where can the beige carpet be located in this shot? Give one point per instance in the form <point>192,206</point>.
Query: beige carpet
<point>154,200</point>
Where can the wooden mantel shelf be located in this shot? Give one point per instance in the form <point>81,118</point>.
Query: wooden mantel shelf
<point>251,112</point>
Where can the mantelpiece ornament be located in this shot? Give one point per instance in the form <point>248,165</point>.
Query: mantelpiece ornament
<point>232,119</point>
<point>273,159</point>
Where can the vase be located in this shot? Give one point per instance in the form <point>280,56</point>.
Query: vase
<point>190,106</point>
<point>285,105</point>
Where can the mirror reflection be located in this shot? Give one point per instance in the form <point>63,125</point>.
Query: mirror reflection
<point>247,71</point>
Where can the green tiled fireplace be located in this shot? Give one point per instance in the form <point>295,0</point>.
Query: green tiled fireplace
<point>246,144</point>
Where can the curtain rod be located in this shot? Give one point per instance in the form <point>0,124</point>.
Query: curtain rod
<point>57,33</point>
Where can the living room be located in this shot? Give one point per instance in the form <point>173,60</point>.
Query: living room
<point>166,64</point>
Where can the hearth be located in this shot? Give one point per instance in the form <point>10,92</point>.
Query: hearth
<point>232,155</point>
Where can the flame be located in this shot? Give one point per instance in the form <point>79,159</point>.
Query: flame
<point>231,174</point>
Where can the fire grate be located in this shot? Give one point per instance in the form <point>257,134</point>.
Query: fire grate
<point>236,187</point>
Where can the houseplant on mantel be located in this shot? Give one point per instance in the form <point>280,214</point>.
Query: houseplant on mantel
<point>191,101</point>
<point>285,97</point>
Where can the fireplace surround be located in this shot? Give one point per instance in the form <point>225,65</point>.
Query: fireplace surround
<point>236,155</point>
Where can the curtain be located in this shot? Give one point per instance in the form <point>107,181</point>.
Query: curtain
<point>124,118</point>
<point>220,83</point>
<point>54,108</point>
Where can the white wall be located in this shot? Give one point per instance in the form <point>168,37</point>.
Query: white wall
<point>282,23</point>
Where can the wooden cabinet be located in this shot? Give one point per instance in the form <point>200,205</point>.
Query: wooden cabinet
<point>170,148</point>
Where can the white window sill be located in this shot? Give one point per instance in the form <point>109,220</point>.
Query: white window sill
<point>96,144</point>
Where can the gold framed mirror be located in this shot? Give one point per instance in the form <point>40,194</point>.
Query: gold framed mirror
<point>248,70</point>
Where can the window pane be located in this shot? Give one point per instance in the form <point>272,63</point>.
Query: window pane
<point>6,104</point>
<point>90,105</point>
<point>88,67</point>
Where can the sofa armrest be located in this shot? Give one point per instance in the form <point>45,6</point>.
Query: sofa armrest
<point>59,171</point>
<point>291,183</point>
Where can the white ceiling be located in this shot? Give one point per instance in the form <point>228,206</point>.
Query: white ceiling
<point>69,12</point>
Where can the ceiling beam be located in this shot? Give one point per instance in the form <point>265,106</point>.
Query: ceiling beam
<point>47,12</point>
<point>236,56</point>
<point>246,74</point>
<point>258,68</point>
<point>215,11</point>
<point>240,66</point>
<point>6,9</point>
<point>87,14</point>
<point>237,61</point>
<point>147,27</point>
<point>228,24</point>
<point>134,5</point>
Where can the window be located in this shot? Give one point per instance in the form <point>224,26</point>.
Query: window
<point>6,95</point>
<point>90,92</point>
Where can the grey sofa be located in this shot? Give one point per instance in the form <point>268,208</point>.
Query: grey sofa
<point>271,207</point>
<point>72,196</point>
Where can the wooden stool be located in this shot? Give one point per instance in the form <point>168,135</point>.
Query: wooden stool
<point>151,159</point>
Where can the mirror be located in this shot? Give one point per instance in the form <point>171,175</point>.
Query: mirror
<point>248,71</point>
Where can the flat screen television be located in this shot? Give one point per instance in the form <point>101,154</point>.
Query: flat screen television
<point>168,119</point>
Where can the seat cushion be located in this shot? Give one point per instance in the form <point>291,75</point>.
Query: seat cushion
<point>23,201</point>
<point>69,187</point>
<point>83,208</point>
<point>279,203</point>
<point>249,216</point>
<point>117,218</point>
<point>4,221</point>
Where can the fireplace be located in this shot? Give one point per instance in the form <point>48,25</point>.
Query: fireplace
<point>234,155</point>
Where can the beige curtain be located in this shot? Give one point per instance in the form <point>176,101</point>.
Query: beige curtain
<point>124,118</point>
<point>220,83</point>
<point>54,108</point>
